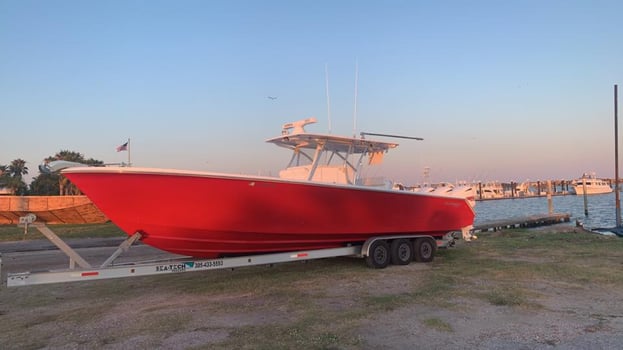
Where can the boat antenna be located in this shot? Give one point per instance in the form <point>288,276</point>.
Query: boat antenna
<point>326,75</point>
<point>616,160</point>
<point>363,134</point>
<point>355,103</point>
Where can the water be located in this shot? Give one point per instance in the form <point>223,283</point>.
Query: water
<point>601,209</point>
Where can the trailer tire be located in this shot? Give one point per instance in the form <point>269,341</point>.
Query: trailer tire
<point>378,255</point>
<point>401,251</point>
<point>425,249</point>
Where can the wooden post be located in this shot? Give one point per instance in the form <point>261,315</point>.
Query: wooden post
<point>550,204</point>
<point>585,195</point>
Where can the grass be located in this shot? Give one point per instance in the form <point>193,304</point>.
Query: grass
<point>438,324</point>
<point>14,233</point>
<point>322,304</point>
<point>505,297</point>
<point>303,334</point>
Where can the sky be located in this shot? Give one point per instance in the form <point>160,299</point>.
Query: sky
<point>499,90</point>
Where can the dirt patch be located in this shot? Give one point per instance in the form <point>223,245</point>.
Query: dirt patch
<point>568,320</point>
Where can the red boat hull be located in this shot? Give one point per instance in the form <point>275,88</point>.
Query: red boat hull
<point>210,215</point>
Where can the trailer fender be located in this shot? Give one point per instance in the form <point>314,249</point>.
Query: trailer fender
<point>365,248</point>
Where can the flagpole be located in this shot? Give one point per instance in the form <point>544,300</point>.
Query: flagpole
<point>129,159</point>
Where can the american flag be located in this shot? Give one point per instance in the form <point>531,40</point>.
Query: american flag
<point>123,147</point>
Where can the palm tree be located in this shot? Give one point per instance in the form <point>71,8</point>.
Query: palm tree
<point>3,175</point>
<point>45,185</point>
<point>12,176</point>
<point>16,185</point>
<point>17,168</point>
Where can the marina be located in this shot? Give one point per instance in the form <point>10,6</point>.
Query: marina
<point>492,190</point>
<point>528,189</point>
<point>600,208</point>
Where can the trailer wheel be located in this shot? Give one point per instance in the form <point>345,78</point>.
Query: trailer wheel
<point>378,257</point>
<point>425,249</point>
<point>401,251</point>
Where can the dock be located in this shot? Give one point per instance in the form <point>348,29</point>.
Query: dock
<point>524,221</point>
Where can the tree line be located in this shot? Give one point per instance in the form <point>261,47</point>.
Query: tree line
<point>45,184</point>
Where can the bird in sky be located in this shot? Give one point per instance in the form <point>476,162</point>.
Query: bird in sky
<point>272,97</point>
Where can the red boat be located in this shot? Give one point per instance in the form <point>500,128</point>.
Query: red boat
<point>320,200</point>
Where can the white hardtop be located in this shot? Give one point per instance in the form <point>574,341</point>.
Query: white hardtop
<point>294,136</point>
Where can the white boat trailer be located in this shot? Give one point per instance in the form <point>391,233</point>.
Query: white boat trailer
<point>379,252</point>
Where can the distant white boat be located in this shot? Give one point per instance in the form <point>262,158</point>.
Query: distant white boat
<point>442,187</point>
<point>463,190</point>
<point>592,184</point>
<point>422,188</point>
<point>460,190</point>
<point>490,190</point>
<point>524,190</point>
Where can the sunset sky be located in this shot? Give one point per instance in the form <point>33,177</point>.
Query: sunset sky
<point>499,90</point>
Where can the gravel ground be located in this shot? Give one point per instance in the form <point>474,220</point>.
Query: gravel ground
<point>584,319</point>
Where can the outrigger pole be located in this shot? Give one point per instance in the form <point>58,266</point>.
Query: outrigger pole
<point>616,160</point>
<point>363,134</point>
<point>355,103</point>
<point>326,79</point>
